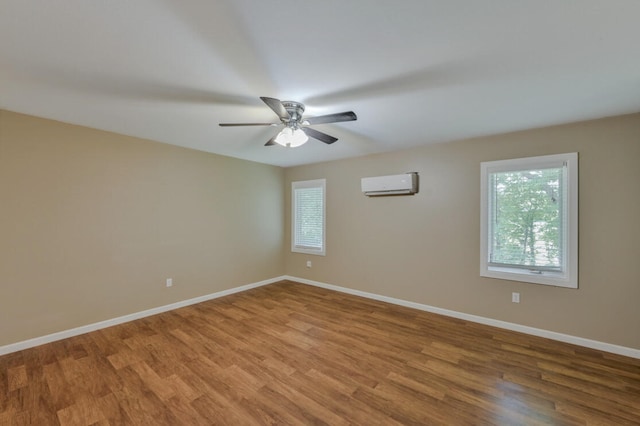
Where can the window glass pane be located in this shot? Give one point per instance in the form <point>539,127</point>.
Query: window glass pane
<point>527,218</point>
<point>308,217</point>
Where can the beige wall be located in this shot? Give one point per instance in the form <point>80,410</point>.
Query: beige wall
<point>425,248</point>
<point>92,223</point>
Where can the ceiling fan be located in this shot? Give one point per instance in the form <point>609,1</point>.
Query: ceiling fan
<point>296,132</point>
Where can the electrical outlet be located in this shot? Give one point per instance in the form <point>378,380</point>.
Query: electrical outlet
<point>515,297</point>
<point>169,282</point>
<point>308,264</point>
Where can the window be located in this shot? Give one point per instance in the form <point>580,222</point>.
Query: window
<point>529,227</point>
<point>308,216</point>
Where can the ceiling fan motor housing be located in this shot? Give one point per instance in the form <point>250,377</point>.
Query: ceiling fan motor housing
<point>295,110</point>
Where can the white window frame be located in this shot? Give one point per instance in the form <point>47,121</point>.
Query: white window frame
<point>317,183</point>
<point>568,275</point>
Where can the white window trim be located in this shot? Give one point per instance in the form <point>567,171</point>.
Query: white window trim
<point>567,278</point>
<point>309,184</point>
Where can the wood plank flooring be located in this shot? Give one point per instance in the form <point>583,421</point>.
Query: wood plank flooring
<point>294,354</point>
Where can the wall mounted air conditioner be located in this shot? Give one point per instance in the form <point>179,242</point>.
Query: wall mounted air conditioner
<point>404,184</point>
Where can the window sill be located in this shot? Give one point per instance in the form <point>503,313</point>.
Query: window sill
<point>308,251</point>
<point>545,278</point>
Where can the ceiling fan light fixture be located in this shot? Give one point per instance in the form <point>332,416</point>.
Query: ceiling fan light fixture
<point>291,138</point>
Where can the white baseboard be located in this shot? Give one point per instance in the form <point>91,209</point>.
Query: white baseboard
<point>580,341</point>
<point>593,344</point>
<point>26,344</point>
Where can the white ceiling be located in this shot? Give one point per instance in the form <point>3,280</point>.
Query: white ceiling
<point>415,71</point>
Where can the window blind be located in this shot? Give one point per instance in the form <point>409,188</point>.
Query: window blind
<point>308,211</point>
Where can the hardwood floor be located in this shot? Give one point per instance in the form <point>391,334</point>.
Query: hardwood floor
<point>294,354</point>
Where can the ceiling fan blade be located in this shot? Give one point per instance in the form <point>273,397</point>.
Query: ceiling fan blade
<point>322,137</point>
<point>332,118</point>
<point>277,107</point>
<point>246,124</point>
<point>271,141</point>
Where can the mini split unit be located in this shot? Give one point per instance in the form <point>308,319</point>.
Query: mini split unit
<point>404,184</point>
